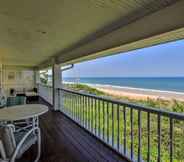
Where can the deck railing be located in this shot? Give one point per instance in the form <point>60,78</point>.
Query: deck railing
<point>136,132</point>
<point>45,91</point>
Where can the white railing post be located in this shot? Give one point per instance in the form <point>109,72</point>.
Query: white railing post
<point>56,81</point>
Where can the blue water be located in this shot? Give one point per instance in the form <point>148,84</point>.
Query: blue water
<point>166,84</point>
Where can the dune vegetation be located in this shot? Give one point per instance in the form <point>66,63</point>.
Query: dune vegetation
<point>110,127</point>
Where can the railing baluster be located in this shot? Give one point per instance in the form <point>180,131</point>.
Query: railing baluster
<point>65,102</point>
<point>124,126</point>
<point>92,114</point>
<point>107,122</point>
<point>159,138</point>
<point>89,120</point>
<point>59,99</point>
<point>77,106</point>
<point>118,128</point>
<point>112,125</point>
<point>80,107</point>
<point>148,130</point>
<point>99,118</point>
<point>103,120</point>
<point>95,117</point>
<point>171,139</point>
<point>85,110</point>
<point>68,105</point>
<point>73,98</point>
<point>131,133</point>
<point>74,105</point>
<point>70,108</point>
<point>82,111</point>
<point>90,117</point>
<point>139,135</point>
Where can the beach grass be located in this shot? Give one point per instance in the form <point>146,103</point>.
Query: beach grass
<point>113,114</point>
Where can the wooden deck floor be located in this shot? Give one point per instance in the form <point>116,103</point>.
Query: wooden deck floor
<point>64,141</point>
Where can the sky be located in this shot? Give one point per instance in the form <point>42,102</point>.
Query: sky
<point>165,60</point>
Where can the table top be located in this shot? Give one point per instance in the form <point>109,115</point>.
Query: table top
<point>21,112</point>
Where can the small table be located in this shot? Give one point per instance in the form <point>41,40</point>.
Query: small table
<point>21,112</point>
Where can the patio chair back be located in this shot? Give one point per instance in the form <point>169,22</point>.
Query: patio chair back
<point>8,142</point>
<point>14,144</point>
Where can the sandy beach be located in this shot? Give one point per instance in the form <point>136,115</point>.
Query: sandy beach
<point>138,93</point>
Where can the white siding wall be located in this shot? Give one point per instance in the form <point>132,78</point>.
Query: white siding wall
<point>19,78</point>
<point>46,93</point>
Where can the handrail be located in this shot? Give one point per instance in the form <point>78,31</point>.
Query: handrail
<point>160,111</point>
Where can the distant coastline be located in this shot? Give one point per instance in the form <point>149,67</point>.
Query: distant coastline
<point>135,93</point>
<point>175,84</point>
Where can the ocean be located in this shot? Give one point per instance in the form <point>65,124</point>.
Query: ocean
<point>175,84</point>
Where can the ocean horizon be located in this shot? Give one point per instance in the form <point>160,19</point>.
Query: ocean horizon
<point>175,84</point>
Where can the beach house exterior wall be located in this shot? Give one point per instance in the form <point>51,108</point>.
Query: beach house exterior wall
<point>19,78</point>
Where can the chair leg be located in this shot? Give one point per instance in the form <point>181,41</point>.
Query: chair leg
<point>39,146</point>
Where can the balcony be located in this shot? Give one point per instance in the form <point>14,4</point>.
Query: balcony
<point>37,35</point>
<point>133,132</point>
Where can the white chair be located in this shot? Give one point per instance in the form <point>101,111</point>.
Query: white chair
<point>3,99</point>
<point>14,144</point>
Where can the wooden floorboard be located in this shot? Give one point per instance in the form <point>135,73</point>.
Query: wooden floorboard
<point>65,141</point>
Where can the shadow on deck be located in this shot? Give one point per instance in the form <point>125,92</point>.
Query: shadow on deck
<point>64,141</point>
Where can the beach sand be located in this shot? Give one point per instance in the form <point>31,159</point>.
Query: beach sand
<point>136,93</point>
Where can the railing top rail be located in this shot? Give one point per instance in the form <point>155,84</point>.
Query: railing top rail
<point>174,115</point>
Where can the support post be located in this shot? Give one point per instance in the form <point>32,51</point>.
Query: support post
<point>56,83</point>
<point>36,78</point>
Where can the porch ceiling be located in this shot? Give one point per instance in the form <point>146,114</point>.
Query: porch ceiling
<point>33,31</point>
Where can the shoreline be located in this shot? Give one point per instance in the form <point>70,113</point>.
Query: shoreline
<point>136,93</point>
